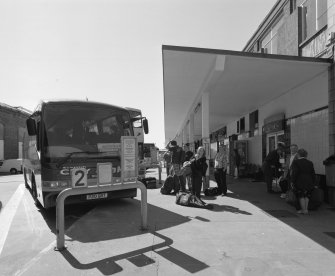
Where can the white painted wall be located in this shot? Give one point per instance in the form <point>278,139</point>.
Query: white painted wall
<point>310,132</point>
<point>307,97</point>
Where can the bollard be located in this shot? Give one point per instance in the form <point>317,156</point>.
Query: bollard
<point>60,232</point>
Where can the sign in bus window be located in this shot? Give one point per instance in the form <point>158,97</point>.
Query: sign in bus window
<point>105,171</point>
<point>129,158</point>
<point>79,177</point>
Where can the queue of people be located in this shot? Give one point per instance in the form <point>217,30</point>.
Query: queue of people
<point>191,169</point>
<point>299,179</point>
<point>298,172</point>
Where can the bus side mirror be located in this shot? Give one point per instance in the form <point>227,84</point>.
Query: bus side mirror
<point>145,126</point>
<point>31,127</point>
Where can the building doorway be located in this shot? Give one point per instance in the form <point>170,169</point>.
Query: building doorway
<point>273,139</point>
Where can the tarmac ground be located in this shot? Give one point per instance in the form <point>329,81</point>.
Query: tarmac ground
<point>248,232</point>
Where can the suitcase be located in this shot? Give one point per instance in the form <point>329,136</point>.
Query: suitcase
<point>316,199</point>
<point>149,182</point>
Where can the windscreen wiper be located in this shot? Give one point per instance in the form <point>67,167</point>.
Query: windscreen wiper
<point>63,161</point>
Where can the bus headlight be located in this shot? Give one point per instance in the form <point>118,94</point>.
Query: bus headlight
<point>55,184</point>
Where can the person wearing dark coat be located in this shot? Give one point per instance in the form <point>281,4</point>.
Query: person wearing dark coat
<point>199,168</point>
<point>237,161</point>
<point>176,162</point>
<point>303,179</point>
<point>270,165</point>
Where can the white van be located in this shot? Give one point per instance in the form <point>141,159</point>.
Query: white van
<point>12,166</point>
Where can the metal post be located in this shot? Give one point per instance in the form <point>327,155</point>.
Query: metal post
<point>60,235</point>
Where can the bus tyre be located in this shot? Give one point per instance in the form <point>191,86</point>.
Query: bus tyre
<point>25,178</point>
<point>34,194</point>
<point>13,171</point>
<point>34,191</point>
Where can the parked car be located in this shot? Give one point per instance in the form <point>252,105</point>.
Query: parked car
<point>12,166</point>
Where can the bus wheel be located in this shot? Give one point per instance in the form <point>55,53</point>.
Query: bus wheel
<point>34,193</point>
<point>13,171</point>
<point>25,178</point>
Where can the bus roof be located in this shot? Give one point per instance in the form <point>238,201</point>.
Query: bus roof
<point>133,109</point>
<point>80,102</point>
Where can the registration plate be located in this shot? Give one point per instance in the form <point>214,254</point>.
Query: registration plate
<point>96,196</point>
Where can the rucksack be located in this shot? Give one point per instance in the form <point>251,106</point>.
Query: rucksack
<point>168,185</point>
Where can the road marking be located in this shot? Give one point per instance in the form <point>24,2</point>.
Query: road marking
<point>35,259</point>
<point>7,214</point>
<point>44,251</point>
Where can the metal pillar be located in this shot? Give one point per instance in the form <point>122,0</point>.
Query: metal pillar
<point>60,235</point>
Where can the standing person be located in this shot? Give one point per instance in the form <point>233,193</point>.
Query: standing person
<point>287,170</point>
<point>220,170</point>
<point>187,157</point>
<point>237,161</point>
<point>199,168</point>
<point>167,160</point>
<point>188,153</point>
<point>271,163</point>
<point>176,162</point>
<point>303,179</point>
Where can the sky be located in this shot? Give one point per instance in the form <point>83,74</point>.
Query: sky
<point>111,50</point>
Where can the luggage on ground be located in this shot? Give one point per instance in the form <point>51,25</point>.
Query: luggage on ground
<point>171,184</point>
<point>187,199</point>
<point>211,191</point>
<point>316,199</point>
<point>168,185</point>
<point>283,184</point>
<point>149,182</point>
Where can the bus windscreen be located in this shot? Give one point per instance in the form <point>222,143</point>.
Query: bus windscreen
<point>87,129</point>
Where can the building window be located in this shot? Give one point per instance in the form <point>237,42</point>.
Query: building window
<point>242,124</point>
<point>293,5</point>
<point>313,17</point>
<point>238,127</point>
<point>270,41</point>
<point>253,122</point>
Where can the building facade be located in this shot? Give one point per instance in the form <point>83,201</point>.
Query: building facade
<point>303,115</point>
<point>12,129</point>
<point>279,88</point>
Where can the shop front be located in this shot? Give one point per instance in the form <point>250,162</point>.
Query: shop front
<point>275,132</point>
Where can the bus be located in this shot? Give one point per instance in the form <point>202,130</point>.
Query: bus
<point>65,134</point>
<point>139,123</point>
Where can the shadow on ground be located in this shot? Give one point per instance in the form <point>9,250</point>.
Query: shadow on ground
<point>316,225</point>
<point>120,219</point>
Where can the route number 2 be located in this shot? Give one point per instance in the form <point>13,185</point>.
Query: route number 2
<point>79,177</point>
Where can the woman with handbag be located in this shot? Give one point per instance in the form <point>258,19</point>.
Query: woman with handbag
<point>303,179</point>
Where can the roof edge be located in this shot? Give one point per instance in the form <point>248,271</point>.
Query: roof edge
<point>244,54</point>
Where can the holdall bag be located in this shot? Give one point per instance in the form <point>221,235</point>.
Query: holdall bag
<point>183,198</point>
<point>187,199</point>
<point>212,191</point>
<point>283,183</point>
<point>317,197</point>
<point>186,169</point>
